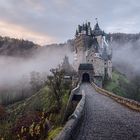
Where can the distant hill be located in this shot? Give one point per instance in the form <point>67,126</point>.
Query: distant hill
<point>16,47</point>
<point>19,47</point>
<point>126,50</point>
<point>69,44</point>
<point>123,38</point>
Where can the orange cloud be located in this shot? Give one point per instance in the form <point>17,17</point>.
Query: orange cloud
<point>16,31</point>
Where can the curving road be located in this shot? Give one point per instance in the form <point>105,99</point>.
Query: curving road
<point>105,119</point>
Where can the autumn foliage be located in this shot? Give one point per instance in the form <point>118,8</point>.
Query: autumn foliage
<point>32,126</point>
<point>2,113</point>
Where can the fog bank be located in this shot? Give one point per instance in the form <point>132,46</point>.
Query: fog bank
<point>126,58</point>
<point>12,69</point>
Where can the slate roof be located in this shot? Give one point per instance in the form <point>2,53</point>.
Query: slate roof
<point>85,66</point>
<point>97,31</point>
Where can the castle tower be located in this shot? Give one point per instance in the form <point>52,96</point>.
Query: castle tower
<point>92,47</point>
<point>83,40</point>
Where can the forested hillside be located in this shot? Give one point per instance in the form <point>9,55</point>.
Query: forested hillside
<point>123,38</point>
<point>34,117</point>
<point>16,47</point>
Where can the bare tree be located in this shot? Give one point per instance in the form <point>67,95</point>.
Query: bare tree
<point>55,84</point>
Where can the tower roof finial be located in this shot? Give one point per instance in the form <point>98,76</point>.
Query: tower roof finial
<point>96,20</point>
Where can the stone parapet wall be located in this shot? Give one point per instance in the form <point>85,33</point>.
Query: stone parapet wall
<point>134,105</point>
<point>69,128</point>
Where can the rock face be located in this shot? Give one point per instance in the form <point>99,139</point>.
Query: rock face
<point>105,119</point>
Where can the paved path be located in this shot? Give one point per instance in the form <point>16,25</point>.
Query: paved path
<point>105,119</point>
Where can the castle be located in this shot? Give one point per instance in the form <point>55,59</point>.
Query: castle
<point>93,46</point>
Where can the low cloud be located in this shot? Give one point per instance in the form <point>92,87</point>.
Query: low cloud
<point>13,69</point>
<point>126,58</point>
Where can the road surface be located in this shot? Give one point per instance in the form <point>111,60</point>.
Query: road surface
<point>105,119</point>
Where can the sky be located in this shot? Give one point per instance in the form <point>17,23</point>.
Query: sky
<point>55,21</point>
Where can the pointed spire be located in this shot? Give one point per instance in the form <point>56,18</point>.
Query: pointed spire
<point>96,20</point>
<point>76,34</point>
<point>79,29</point>
<point>88,24</point>
<point>97,31</point>
<point>96,27</point>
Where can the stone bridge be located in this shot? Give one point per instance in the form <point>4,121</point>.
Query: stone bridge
<point>101,115</point>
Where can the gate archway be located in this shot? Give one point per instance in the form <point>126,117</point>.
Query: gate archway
<point>85,77</point>
<point>86,72</point>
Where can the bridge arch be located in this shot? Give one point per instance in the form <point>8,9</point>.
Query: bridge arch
<point>85,77</point>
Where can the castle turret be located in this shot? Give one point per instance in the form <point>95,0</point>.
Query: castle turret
<point>105,54</point>
<point>97,31</point>
<point>88,29</point>
<point>76,34</point>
